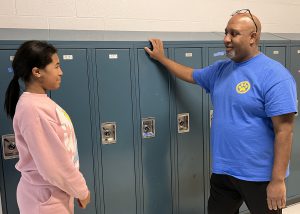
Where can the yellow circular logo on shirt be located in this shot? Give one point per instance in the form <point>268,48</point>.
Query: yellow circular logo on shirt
<point>243,87</point>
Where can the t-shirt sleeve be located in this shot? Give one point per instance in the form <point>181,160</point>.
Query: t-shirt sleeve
<point>281,98</point>
<point>52,158</point>
<point>205,77</point>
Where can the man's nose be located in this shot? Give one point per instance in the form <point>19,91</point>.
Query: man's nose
<point>227,38</point>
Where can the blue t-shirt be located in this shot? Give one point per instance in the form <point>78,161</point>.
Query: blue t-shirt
<point>245,96</point>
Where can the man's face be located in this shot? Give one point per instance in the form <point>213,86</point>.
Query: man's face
<point>238,38</point>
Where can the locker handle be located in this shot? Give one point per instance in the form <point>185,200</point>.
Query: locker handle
<point>211,116</point>
<point>9,147</point>
<point>148,127</point>
<point>109,132</point>
<point>183,123</point>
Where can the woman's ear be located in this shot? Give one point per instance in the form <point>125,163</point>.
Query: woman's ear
<point>36,72</point>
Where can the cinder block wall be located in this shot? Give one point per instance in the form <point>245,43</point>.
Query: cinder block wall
<point>281,16</point>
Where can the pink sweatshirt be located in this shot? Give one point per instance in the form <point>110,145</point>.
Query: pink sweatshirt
<point>47,145</point>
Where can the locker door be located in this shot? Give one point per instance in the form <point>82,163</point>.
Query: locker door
<point>277,53</point>
<point>115,105</point>
<point>73,97</point>
<point>215,54</point>
<point>293,188</point>
<point>190,139</point>
<point>154,102</point>
<point>218,53</point>
<point>8,174</point>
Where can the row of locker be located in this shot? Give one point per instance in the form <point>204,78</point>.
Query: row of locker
<point>113,171</point>
<point>143,135</point>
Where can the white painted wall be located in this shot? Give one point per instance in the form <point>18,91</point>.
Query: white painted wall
<point>281,16</point>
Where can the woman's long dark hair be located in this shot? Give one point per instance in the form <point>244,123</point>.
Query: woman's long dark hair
<point>29,55</point>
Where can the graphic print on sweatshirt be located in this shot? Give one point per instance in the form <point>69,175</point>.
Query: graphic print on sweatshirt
<point>70,140</point>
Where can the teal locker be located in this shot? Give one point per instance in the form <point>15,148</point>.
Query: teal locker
<point>293,57</point>
<point>113,71</point>
<point>133,157</point>
<point>189,135</point>
<point>275,47</point>
<point>9,176</point>
<point>73,97</point>
<point>293,180</point>
<point>154,104</point>
<point>277,53</point>
<point>215,54</point>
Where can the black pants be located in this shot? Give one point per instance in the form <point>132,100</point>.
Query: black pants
<point>228,193</point>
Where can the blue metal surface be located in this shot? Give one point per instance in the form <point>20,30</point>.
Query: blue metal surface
<point>154,102</point>
<point>115,105</point>
<point>293,188</point>
<point>277,53</point>
<point>162,175</point>
<point>73,97</point>
<point>191,144</point>
<point>9,177</point>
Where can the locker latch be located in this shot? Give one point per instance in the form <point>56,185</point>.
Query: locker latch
<point>108,132</point>
<point>211,116</point>
<point>148,127</point>
<point>9,147</point>
<point>183,122</point>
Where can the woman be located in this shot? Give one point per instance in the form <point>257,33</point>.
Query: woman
<point>45,138</point>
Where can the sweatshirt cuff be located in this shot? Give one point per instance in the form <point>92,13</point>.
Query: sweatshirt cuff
<point>83,195</point>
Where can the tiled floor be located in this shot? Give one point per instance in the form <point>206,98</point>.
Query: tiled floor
<point>293,209</point>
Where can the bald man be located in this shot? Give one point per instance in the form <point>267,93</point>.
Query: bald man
<point>254,99</point>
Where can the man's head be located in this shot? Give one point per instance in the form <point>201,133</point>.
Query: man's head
<point>242,36</point>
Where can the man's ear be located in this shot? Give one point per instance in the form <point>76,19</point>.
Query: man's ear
<point>253,38</point>
<point>36,72</point>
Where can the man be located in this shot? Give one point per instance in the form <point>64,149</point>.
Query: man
<point>254,100</point>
